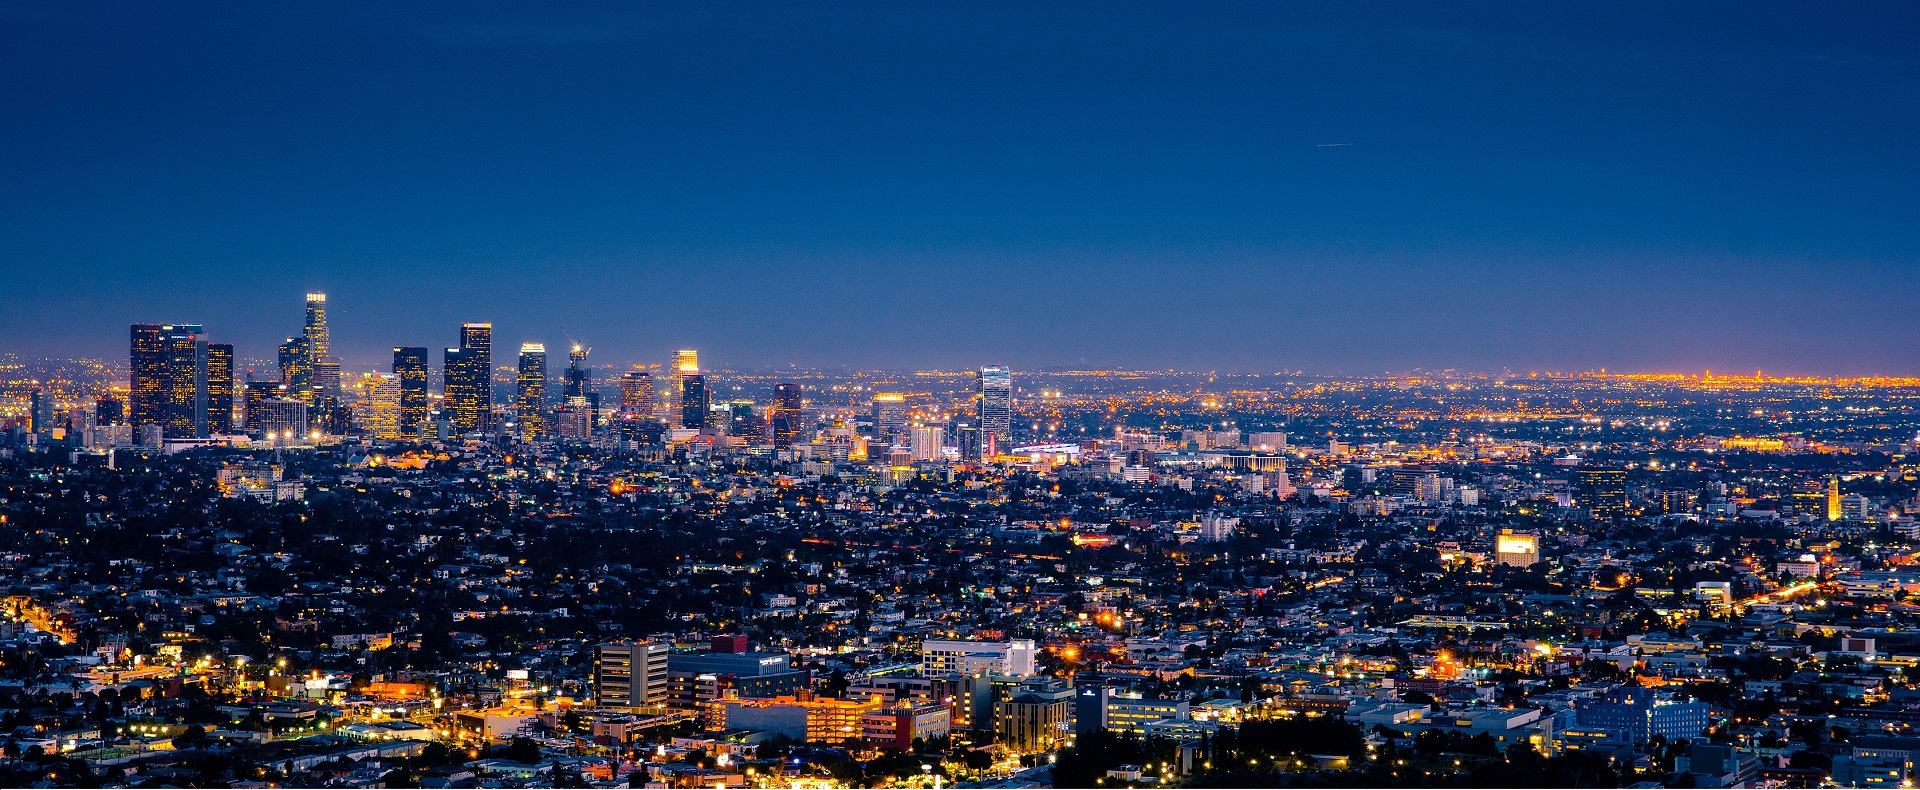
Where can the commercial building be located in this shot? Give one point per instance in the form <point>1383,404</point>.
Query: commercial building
<point>944,658</point>
<point>899,725</point>
<point>467,371</point>
<point>630,674</point>
<point>996,409</point>
<point>530,401</point>
<point>410,367</point>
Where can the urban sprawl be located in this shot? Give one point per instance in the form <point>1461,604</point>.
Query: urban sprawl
<point>472,569</point>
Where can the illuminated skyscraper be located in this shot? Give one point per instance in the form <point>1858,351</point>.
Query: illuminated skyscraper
<point>219,388</point>
<point>928,443</point>
<point>410,366</point>
<point>890,416</point>
<point>531,402</point>
<point>468,372</point>
<point>784,417</point>
<point>693,401</point>
<point>1606,492</point>
<point>1834,511</point>
<point>186,415</point>
<point>320,360</point>
<point>378,412</point>
<point>39,412</point>
<point>258,393</point>
<point>996,408</point>
<point>579,376</point>
<point>296,368</point>
<point>686,362</point>
<point>147,393</point>
<point>743,422</point>
<point>636,393</point>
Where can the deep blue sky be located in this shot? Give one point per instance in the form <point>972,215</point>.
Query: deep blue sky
<point>1328,186</point>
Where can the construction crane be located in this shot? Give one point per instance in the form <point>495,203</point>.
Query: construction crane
<point>577,350</point>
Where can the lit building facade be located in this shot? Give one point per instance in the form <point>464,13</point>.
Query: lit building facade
<point>530,400</point>
<point>996,409</point>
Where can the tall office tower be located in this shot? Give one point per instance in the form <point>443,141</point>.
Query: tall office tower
<point>580,377</point>
<point>478,336</point>
<point>686,362</point>
<point>630,674</point>
<point>296,368</point>
<point>147,393</point>
<point>186,414</point>
<point>257,393</point>
<point>929,443</point>
<point>39,412</point>
<point>530,404</point>
<point>889,416</point>
<point>108,410</point>
<point>324,368</point>
<point>996,409</point>
<point>219,388</point>
<point>1606,491</point>
<point>693,401</point>
<point>378,412</point>
<point>410,366</point>
<point>636,393</point>
<point>463,378</point>
<point>319,339</point>
<point>784,416</point>
<point>468,372</point>
<point>743,422</point>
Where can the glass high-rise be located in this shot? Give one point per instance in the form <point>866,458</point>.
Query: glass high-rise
<point>147,391</point>
<point>530,400</point>
<point>219,388</point>
<point>296,368</point>
<point>186,387</point>
<point>636,393</point>
<point>410,366</point>
<point>693,401</point>
<point>784,416</point>
<point>468,372</point>
<point>325,369</point>
<point>996,408</point>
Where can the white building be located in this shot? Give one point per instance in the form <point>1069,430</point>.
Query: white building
<point>1216,528</point>
<point>945,658</point>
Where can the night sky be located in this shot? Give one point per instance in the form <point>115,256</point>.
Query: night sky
<point>1324,186</point>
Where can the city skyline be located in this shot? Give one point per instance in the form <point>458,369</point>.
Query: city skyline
<point>1345,190</point>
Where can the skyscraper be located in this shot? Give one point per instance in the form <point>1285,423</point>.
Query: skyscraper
<point>39,412</point>
<point>186,411</point>
<point>410,366</point>
<point>579,376</point>
<point>686,362</point>
<point>784,416</point>
<point>1606,492</point>
<point>889,416</point>
<point>147,393</point>
<point>530,404</point>
<point>296,368</point>
<point>468,372</point>
<point>744,423</point>
<point>325,369</point>
<point>636,393</point>
<point>996,409</point>
<point>1833,499</point>
<point>258,393</point>
<point>693,401</point>
<point>219,388</point>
